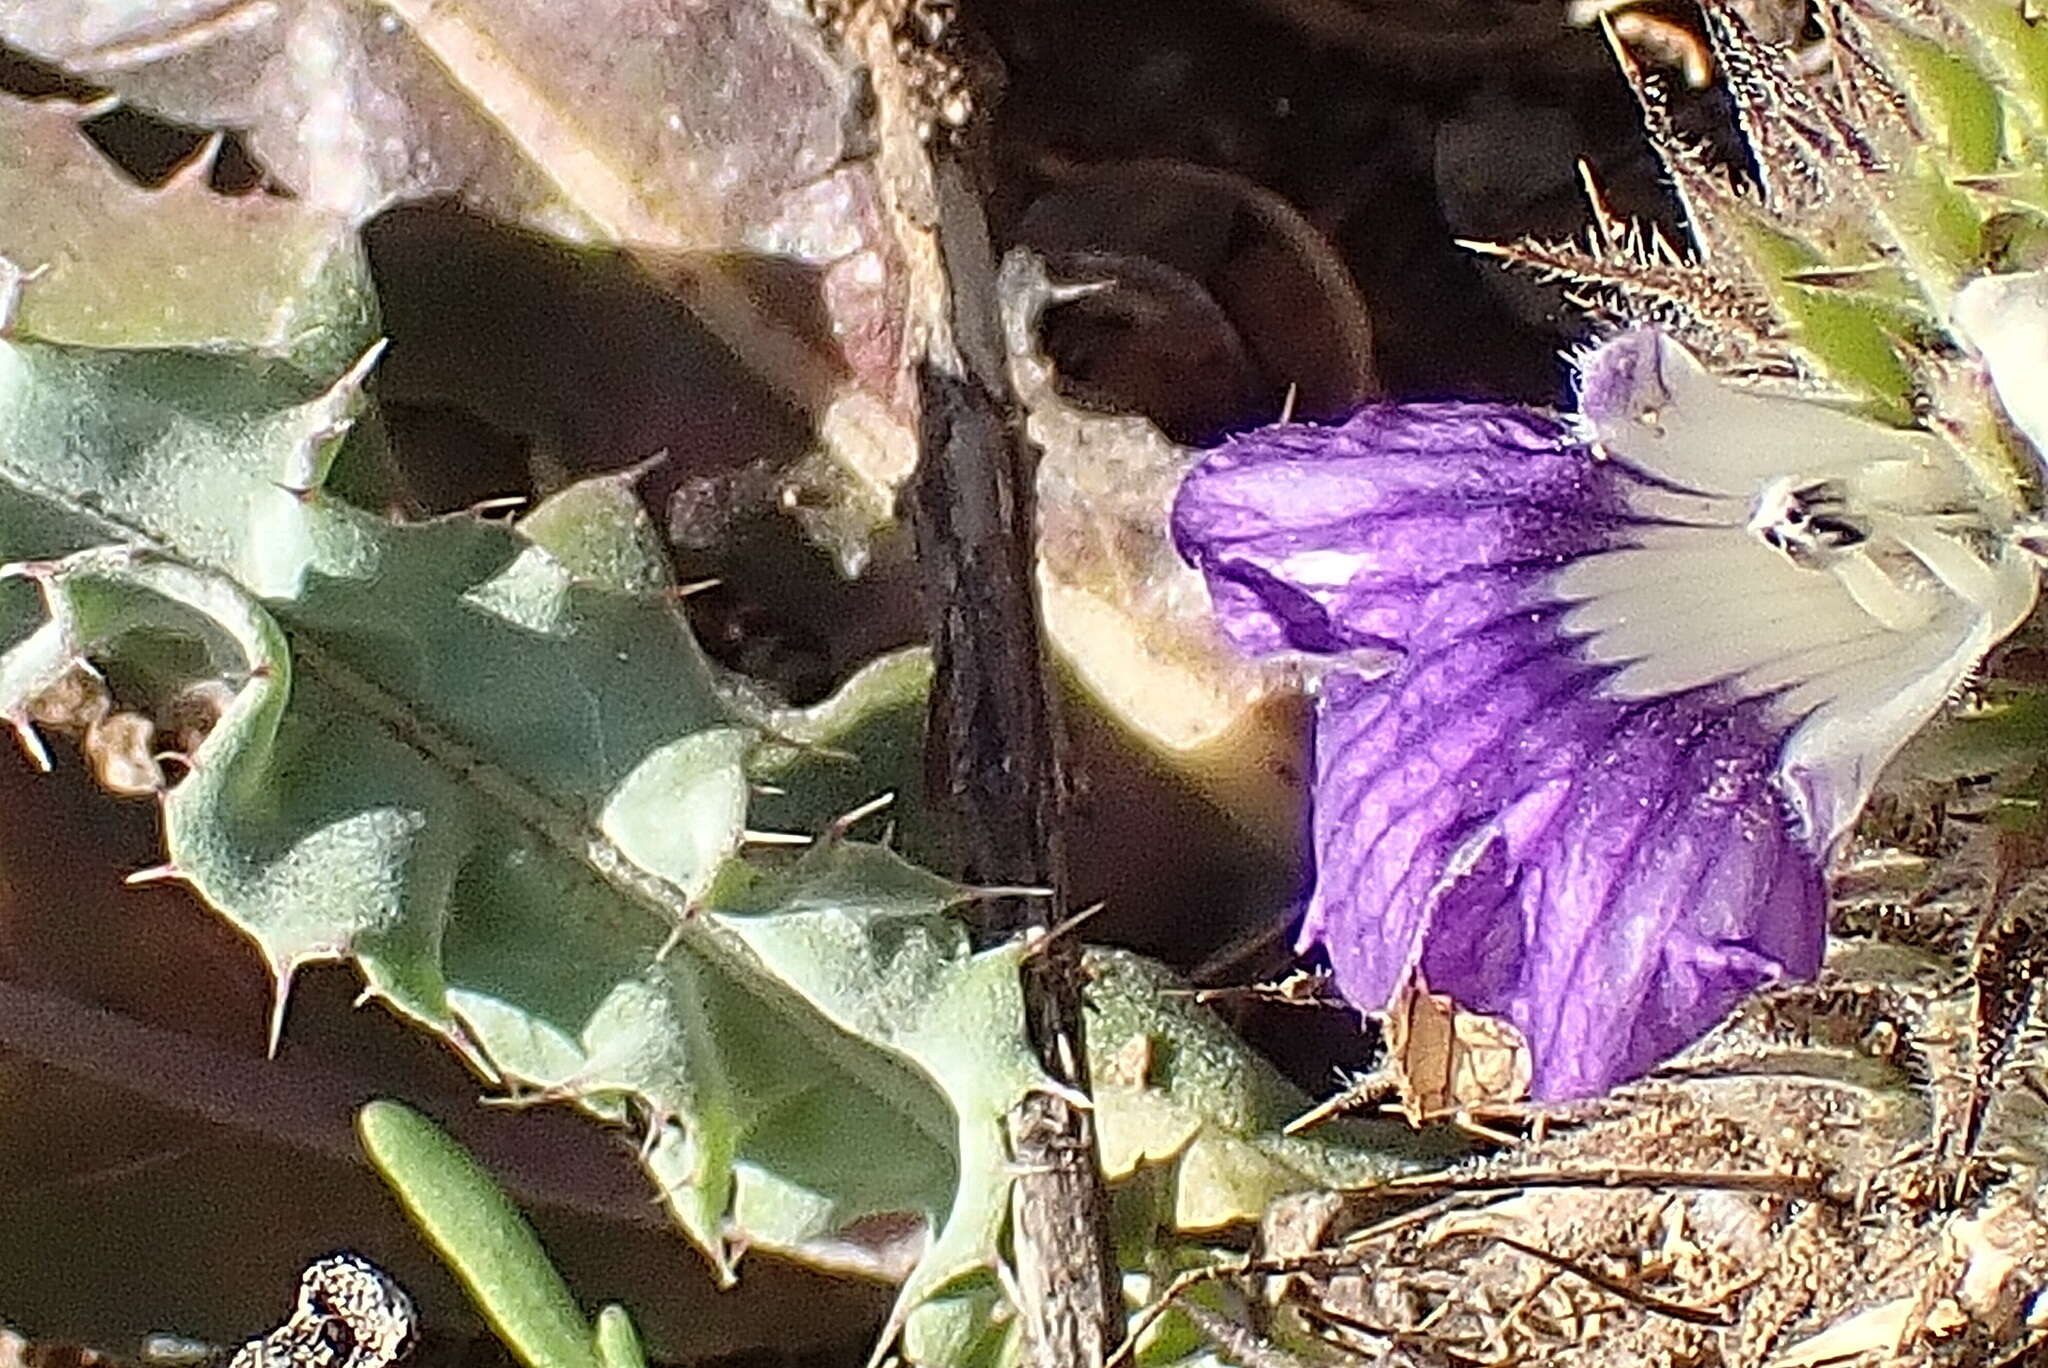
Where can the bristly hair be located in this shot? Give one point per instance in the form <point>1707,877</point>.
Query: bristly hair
<point>1705,192</point>
<point>1768,244</point>
<point>1818,144</point>
<point>1628,273</point>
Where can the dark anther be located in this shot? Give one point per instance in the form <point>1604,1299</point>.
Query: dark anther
<point>1832,531</point>
<point>1808,523</point>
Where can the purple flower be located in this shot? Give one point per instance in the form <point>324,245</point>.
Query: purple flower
<point>1598,697</point>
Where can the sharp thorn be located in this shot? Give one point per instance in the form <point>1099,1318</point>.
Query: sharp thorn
<point>668,947</point>
<point>155,874</point>
<point>31,741</point>
<point>774,838</point>
<point>197,169</point>
<point>41,571</point>
<point>1071,291</point>
<point>281,993</point>
<point>841,824</point>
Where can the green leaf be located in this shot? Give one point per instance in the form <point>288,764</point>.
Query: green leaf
<point>820,763</point>
<point>2002,732</point>
<point>1173,1085</point>
<point>835,925</point>
<point>1938,229</point>
<point>2014,51</point>
<point>500,791</point>
<point>113,264</point>
<point>600,533</point>
<point>1845,335</point>
<point>618,1343</point>
<point>482,1237</point>
<point>1958,103</point>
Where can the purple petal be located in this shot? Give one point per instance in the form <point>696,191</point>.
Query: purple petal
<point>1610,875</point>
<point>1393,530</point>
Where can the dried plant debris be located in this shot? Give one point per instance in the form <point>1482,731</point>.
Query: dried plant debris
<point>1218,302</point>
<point>125,746</point>
<point>1847,1173</point>
<point>1442,1063</point>
<point>1448,1061</point>
<point>1689,1223</point>
<point>1122,611</point>
<point>2009,1026</point>
<point>350,1314</point>
<point>923,38</point>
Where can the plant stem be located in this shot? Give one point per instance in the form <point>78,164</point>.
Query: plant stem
<point>994,752</point>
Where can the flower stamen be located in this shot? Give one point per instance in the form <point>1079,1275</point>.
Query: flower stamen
<point>1809,522</point>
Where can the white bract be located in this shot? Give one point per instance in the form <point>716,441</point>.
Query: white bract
<point>2005,317</point>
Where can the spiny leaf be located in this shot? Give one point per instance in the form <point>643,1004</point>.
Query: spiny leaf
<point>1173,1087</point>
<point>1807,159</point>
<point>683,134</point>
<point>444,761</point>
<point>1844,337</point>
<point>2014,51</point>
<point>1960,107</point>
<point>1640,279</point>
<point>1705,192</point>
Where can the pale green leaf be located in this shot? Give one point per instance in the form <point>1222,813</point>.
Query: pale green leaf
<point>109,263</point>
<point>497,789</point>
<point>482,1237</point>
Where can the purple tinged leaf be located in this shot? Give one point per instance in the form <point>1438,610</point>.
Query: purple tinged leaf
<point>1597,701</point>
